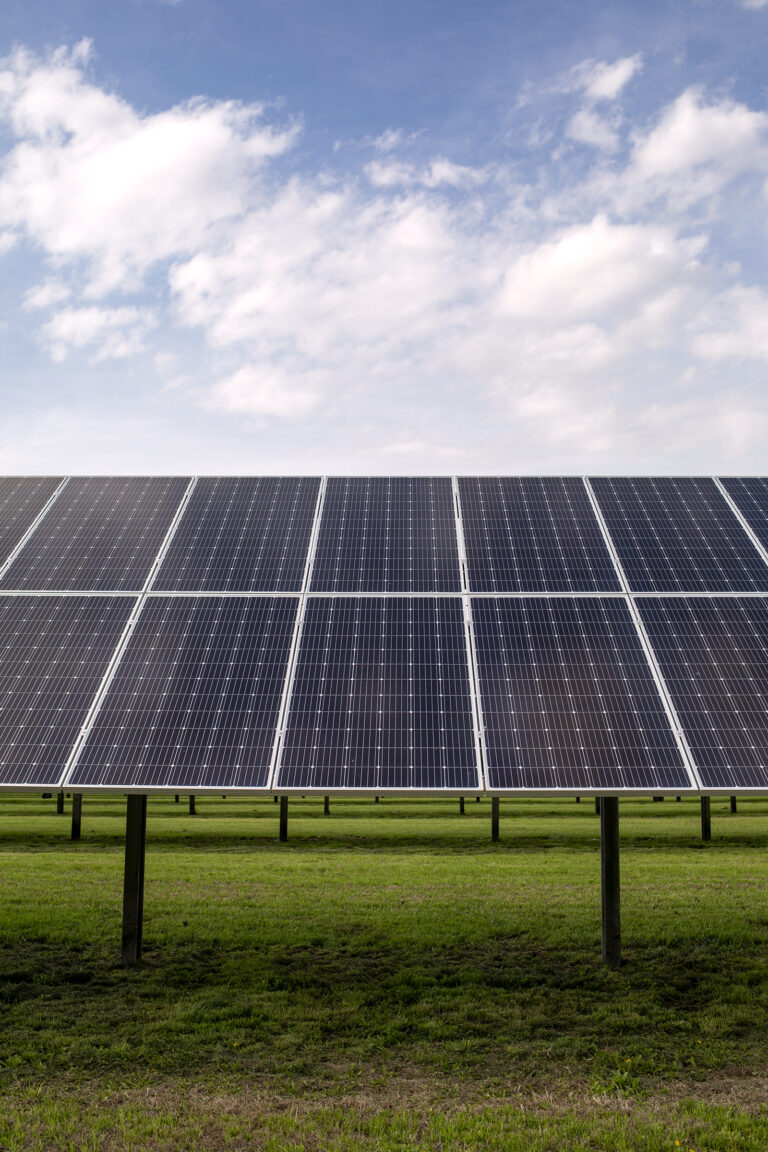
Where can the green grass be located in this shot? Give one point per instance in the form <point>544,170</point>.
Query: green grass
<point>389,979</point>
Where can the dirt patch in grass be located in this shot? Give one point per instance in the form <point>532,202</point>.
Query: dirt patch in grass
<point>394,1091</point>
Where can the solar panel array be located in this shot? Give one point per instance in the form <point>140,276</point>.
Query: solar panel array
<point>416,634</point>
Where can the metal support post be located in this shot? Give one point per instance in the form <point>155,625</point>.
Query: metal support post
<point>133,882</point>
<point>283,819</point>
<point>578,799</point>
<point>461,805</point>
<point>597,805</point>
<point>176,799</point>
<point>77,815</point>
<point>733,805</point>
<point>706,819</point>
<point>59,803</point>
<point>326,805</point>
<point>494,818</point>
<point>192,808</point>
<point>375,799</point>
<point>609,880</point>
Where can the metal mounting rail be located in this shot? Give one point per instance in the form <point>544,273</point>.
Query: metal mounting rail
<point>125,637</point>
<point>469,638</point>
<point>741,518</point>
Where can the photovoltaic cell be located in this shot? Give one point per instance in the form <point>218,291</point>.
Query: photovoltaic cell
<point>677,534</point>
<point>195,699</point>
<point>533,534</point>
<point>750,495</point>
<point>22,498</point>
<point>381,697</point>
<point>568,699</point>
<point>101,534</point>
<point>387,534</point>
<point>248,534</point>
<point>54,651</point>
<point>713,654</point>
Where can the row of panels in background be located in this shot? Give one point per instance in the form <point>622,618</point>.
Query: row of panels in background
<point>493,535</point>
<point>420,694</point>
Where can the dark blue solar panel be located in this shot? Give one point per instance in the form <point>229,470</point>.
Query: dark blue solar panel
<point>22,498</point>
<point>381,697</point>
<point>713,654</point>
<point>568,699</point>
<point>195,700</point>
<point>750,495</point>
<point>387,534</point>
<point>678,535</point>
<point>101,534</point>
<point>533,534</point>
<point>54,651</point>
<point>248,534</point>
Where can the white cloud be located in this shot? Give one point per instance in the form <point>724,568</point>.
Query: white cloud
<point>255,392</point>
<point>438,172</point>
<point>45,295</point>
<point>589,128</point>
<point>597,270</point>
<point>603,81</point>
<point>384,310</point>
<point>735,327</point>
<point>115,332</point>
<point>755,5</point>
<point>91,179</point>
<point>694,150</point>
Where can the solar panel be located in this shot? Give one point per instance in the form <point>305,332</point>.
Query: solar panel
<point>568,699</point>
<point>248,534</point>
<point>533,534</point>
<point>714,657</point>
<point>387,534</point>
<point>22,499</point>
<point>678,535</point>
<point>381,698</point>
<point>54,651</point>
<point>750,495</point>
<point>195,699</point>
<point>101,534</point>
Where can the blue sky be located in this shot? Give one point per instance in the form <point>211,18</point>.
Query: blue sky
<point>383,237</point>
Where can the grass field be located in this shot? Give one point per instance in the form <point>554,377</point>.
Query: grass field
<point>388,980</point>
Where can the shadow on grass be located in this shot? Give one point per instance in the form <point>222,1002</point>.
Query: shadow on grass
<point>512,1006</point>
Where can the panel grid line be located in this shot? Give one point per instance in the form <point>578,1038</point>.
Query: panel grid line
<point>285,703</point>
<point>124,640</point>
<point>674,720</point>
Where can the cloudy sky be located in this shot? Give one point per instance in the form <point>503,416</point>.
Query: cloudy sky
<point>404,236</point>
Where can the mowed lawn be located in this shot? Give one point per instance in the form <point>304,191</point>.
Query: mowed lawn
<point>389,979</point>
